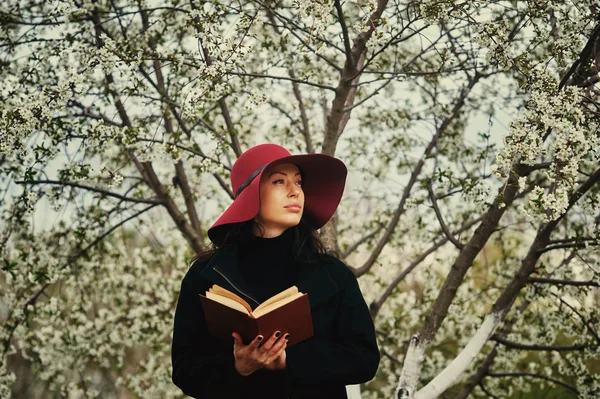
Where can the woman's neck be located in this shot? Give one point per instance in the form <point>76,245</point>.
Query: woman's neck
<point>268,232</point>
<point>268,247</point>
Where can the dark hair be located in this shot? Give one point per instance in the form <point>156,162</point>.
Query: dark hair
<point>306,245</point>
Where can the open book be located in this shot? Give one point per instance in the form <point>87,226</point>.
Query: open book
<point>288,312</point>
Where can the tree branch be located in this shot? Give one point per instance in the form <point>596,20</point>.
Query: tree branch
<point>583,320</point>
<point>515,345</point>
<point>188,197</point>
<point>186,149</point>
<point>481,372</point>
<point>368,97</point>
<point>85,112</point>
<point>287,22</point>
<point>390,357</point>
<point>342,21</point>
<point>179,169</point>
<point>479,375</point>
<point>409,377</point>
<point>90,188</point>
<point>296,89</point>
<point>571,245</point>
<point>289,79</point>
<point>360,241</point>
<point>414,176</point>
<point>146,169</point>
<point>235,144</point>
<point>71,259</point>
<point>223,185</point>
<point>349,76</point>
<point>590,283</point>
<point>502,305</point>
<point>582,61</point>
<point>440,219</point>
<point>310,149</point>
<point>408,63</point>
<point>489,394</point>
<point>533,375</point>
<point>376,305</point>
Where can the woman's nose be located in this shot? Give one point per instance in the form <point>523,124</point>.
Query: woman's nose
<point>294,190</point>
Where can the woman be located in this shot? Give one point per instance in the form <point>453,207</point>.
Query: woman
<point>264,243</point>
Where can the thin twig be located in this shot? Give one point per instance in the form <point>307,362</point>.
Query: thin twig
<point>533,375</point>
<point>289,79</point>
<point>440,219</point>
<point>515,345</point>
<point>90,188</point>
<point>360,241</point>
<point>347,47</point>
<point>590,283</point>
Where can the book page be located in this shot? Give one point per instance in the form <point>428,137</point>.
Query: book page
<point>293,290</point>
<point>275,305</point>
<point>216,289</point>
<point>227,302</point>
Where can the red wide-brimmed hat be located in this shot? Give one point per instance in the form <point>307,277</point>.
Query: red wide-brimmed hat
<point>323,183</point>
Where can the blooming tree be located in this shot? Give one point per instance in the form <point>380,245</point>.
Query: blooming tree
<point>470,130</point>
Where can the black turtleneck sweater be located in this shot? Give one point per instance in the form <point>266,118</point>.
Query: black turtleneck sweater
<point>267,264</point>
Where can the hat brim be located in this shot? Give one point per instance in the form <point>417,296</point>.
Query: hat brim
<point>324,179</point>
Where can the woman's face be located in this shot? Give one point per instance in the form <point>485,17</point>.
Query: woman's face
<point>281,199</point>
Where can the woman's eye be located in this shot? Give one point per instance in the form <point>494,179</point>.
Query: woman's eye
<point>281,181</point>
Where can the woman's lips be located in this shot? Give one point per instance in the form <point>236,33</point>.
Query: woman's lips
<point>294,208</point>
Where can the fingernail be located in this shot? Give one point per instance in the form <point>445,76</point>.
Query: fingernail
<point>286,336</point>
<point>260,337</point>
<point>277,334</point>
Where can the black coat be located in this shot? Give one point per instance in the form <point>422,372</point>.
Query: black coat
<point>343,350</point>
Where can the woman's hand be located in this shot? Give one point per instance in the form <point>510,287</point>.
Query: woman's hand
<point>277,364</point>
<point>252,357</point>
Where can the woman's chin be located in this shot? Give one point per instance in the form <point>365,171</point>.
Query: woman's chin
<point>290,222</point>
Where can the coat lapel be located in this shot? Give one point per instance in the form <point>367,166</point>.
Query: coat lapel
<point>223,270</point>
